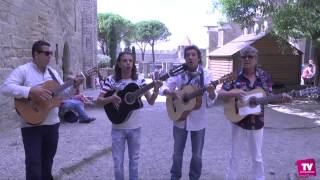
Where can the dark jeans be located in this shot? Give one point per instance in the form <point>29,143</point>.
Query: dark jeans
<point>40,146</point>
<point>197,142</point>
<point>308,81</point>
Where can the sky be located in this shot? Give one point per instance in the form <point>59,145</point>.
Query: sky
<point>184,18</point>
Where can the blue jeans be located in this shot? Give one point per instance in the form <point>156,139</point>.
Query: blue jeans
<point>197,142</point>
<point>119,138</point>
<point>75,105</point>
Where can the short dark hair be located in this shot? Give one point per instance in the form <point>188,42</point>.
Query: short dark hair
<point>117,69</point>
<point>37,46</point>
<point>193,47</point>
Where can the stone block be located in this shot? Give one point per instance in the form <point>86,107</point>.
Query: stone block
<point>5,28</point>
<point>18,42</point>
<point>4,72</point>
<point>5,40</point>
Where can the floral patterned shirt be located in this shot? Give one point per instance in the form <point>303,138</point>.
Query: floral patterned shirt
<point>251,122</point>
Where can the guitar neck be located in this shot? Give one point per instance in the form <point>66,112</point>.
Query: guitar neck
<point>277,97</point>
<point>268,99</point>
<point>200,91</point>
<point>63,87</point>
<point>144,89</point>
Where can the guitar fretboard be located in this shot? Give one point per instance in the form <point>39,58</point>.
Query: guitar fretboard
<point>200,91</point>
<point>268,99</point>
<point>164,77</point>
<point>63,87</point>
<point>278,97</point>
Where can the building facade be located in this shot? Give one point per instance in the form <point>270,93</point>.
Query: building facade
<point>69,26</point>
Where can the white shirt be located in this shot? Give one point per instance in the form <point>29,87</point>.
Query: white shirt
<point>134,120</point>
<point>20,81</point>
<point>195,120</point>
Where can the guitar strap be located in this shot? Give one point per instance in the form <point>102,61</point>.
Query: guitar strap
<point>53,76</point>
<point>201,79</point>
<point>264,81</point>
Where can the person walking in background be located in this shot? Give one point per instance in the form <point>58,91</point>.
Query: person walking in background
<point>307,75</point>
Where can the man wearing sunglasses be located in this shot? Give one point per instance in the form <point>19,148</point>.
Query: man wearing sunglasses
<point>40,141</point>
<point>248,131</point>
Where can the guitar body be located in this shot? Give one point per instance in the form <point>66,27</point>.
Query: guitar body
<point>232,105</point>
<point>36,111</point>
<point>178,110</point>
<point>122,113</point>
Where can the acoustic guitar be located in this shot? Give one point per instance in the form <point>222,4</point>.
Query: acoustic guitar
<point>131,97</point>
<point>178,110</point>
<point>34,112</point>
<point>237,109</point>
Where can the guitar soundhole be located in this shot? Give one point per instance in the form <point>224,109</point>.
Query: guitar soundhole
<point>129,98</point>
<point>34,106</point>
<point>185,99</point>
<point>173,106</point>
<point>236,105</point>
<point>252,102</point>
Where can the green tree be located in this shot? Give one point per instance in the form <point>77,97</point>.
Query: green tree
<point>300,19</point>
<point>102,32</point>
<point>150,32</point>
<point>295,19</point>
<point>242,12</point>
<point>112,29</point>
<point>141,37</point>
<point>133,51</point>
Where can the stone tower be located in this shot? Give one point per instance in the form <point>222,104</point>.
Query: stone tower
<point>69,26</point>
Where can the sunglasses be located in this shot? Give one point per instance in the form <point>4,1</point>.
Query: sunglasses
<point>47,53</point>
<point>249,57</point>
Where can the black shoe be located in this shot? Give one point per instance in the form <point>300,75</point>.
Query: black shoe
<point>87,120</point>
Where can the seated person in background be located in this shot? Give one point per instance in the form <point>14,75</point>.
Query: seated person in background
<point>73,109</point>
<point>307,75</point>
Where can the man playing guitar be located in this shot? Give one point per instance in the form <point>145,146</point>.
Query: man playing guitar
<point>41,140</point>
<point>130,130</point>
<point>249,129</point>
<point>195,122</point>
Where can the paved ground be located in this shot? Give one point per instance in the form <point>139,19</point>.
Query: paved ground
<point>84,149</point>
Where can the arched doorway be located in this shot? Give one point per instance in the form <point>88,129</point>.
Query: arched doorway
<point>65,61</point>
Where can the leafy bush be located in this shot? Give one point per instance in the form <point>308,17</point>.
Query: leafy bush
<point>103,61</point>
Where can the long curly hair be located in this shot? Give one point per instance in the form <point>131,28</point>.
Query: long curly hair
<point>117,69</point>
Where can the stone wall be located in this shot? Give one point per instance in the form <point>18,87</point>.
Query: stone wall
<point>69,25</point>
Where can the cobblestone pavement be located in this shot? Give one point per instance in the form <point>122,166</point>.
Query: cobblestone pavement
<point>84,149</point>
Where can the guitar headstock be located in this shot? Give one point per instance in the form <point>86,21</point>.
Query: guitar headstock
<point>178,70</point>
<point>173,72</point>
<point>90,72</point>
<point>226,78</point>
